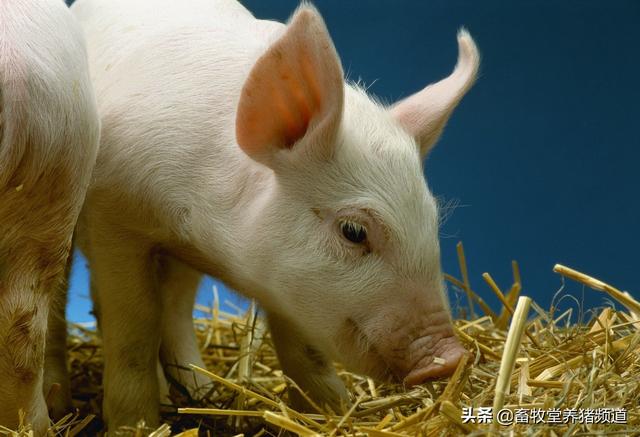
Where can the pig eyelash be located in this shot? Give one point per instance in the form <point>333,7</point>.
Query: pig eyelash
<point>353,231</point>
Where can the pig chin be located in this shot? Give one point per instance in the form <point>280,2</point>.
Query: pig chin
<point>400,357</point>
<point>359,354</point>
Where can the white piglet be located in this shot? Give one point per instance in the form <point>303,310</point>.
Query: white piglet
<point>233,146</point>
<point>49,133</point>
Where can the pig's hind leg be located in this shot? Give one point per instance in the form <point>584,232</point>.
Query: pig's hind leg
<point>179,347</point>
<point>23,324</point>
<point>308,367</point>
<point>33,254</point>
<point>55,369</point>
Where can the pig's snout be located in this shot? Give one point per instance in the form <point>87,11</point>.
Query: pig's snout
<point>425,347</point>
<point>440,361</point>
<point>413,351</point>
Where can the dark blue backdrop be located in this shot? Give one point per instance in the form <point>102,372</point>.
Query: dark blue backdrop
<point>542,153</point>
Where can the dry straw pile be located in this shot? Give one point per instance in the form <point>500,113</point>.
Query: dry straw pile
<point>531,365</point>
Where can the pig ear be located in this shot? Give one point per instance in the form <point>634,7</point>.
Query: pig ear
<point>294,90</point>
<point>425,113</point>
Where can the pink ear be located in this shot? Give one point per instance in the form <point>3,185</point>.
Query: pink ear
<point>294,89</point>
<point>425,113</point>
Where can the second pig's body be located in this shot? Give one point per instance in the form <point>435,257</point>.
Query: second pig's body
<point>232,146</point>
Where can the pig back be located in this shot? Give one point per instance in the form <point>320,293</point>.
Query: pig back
<point>48,117</point>
<point>168,76</point>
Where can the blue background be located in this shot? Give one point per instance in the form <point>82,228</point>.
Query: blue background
<point>541,155</point>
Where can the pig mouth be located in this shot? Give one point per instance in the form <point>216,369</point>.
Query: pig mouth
<point>419,367</point>
<point>448,349</point>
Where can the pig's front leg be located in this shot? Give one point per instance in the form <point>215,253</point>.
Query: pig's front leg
<point>308,367</point>
<point>124,277</point>
<point>179,347</point>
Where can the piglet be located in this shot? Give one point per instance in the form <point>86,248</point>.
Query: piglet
<point>49,134</point>
<point>234,147</point>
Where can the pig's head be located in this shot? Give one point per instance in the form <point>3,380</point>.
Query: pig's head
<point>348,236</point>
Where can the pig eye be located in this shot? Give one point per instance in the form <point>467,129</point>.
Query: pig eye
<point>354,232</point>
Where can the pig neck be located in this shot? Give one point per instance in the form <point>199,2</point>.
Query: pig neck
<point>221,240</point>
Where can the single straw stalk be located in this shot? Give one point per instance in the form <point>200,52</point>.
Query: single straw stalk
<point>596,284</point>
<point>220,412</point>
<point>462,261</point>
<point>512,345</point>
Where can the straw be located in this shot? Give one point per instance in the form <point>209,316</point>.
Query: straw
<point>561,363</point>
<point>511,348</point>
